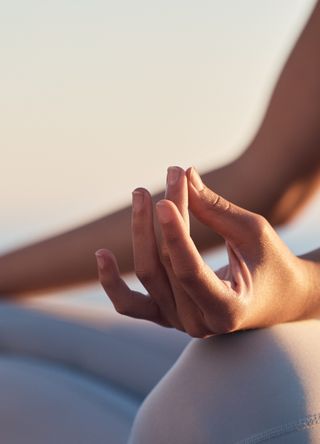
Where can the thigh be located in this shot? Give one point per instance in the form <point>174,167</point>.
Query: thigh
<point>247,387</point>
<point>129,354</point>
<point>77,375</point>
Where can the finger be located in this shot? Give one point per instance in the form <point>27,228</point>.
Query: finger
<point>230,221</point>
<point>188,312</point>
<point>177,191</point>
<point>148,266</point>
<point>206,290</point>
<point>125,301</point>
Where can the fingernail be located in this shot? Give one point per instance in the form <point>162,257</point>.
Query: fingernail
<point>100,260</point>
<point>196,180</point>
<point>137,200</point>
<point>173,175</point>
<point>163,212</point>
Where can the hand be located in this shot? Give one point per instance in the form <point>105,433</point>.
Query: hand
<point>263,284</point>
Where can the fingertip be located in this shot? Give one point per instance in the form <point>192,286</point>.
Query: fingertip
<point>164,211</point>
<point>141,197</point>
<point>191,188</point>
<point>100,257</point>
<point>101,252</point>
<point>143,192</point>
<point>106,260</point>
<point>188,171</point>
<point>176,167</point>
<point>195,180</point>
<point>166,202</point>
<point>100,261</point>
<point>174,175</point>
<point>140,190</point>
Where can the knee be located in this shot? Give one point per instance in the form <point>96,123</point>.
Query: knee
<point>160,417</point>
<point>232,386</point>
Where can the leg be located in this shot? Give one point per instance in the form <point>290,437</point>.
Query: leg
<point>248,387</point>
<point>77,375</point>
<point>132,355</point>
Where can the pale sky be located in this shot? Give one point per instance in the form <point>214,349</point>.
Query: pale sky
<point>100,96</point>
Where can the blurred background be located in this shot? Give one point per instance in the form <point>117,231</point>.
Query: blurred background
<point>100,97</point>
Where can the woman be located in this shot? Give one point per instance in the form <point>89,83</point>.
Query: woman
<point>251,386</point>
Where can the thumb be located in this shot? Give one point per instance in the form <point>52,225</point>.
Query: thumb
<point>225,218</point>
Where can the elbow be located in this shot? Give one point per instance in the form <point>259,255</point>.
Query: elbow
<point>292,201</point>
<point>280,217</point>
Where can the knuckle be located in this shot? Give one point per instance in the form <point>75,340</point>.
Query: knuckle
<point>189,275</point>
<point>230,321</point>
<point>108,281</point>
<point>142,232</point>
<point>122,309</point>
<point>145,276</point>
<point>213,201</point>
<point>225,326</point>
<point>164,250</point>
<point>165,257</point>
<point>166,263</point>
<point>172,239</point>
<point>186,276</point>
<point>138,229</point>
<point>195,331</point>
<point>259,225</point>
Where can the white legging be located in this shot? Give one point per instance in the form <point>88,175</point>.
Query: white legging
<point>249,387</point>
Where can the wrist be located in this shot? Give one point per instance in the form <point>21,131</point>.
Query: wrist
<point>310,277</point>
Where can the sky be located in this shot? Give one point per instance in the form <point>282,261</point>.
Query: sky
<point>100,97</point>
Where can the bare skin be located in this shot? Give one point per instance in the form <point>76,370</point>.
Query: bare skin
<point>275,176</point>
<point>263,284</point>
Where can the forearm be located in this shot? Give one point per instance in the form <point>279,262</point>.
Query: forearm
<point>67,258</point>
<point>283,160</point>
<point>280,169</point>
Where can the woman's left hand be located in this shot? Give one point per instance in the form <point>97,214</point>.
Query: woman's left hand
<point>263,284</point>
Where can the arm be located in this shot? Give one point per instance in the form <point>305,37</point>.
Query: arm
<point>274,176</point>
<point>280,169</point>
